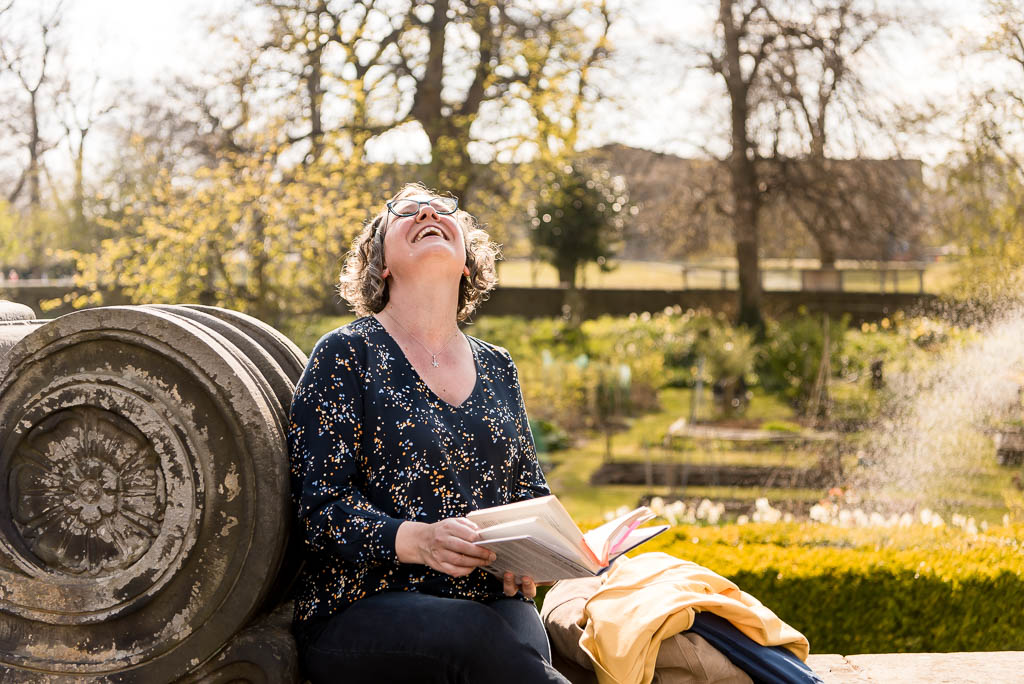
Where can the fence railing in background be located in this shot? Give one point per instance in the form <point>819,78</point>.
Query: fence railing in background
<point>902,278</point>
<point>19,283</point>
<point>908,279</point>
<point>778,275</point>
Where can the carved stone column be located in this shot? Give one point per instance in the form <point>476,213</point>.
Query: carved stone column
<point>144,510</point>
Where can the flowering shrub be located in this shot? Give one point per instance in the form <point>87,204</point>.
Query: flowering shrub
<point>872,589</point>
<point>860,581</point>
<point>840,509</point>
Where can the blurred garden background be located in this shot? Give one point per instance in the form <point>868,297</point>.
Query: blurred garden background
<point>762,260</point>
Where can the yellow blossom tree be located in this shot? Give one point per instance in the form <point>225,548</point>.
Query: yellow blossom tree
<point>246,233</point>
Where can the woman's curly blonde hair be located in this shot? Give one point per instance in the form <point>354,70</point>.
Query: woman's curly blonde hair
<point>363,286</point>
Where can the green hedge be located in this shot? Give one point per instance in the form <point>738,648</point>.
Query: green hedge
<point>872,590</point>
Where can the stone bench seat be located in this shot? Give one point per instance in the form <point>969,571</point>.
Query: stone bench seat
<point>996,667</point>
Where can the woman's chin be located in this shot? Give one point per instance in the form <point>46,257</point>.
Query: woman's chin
<point>438,251</point>
<point>434,263</point>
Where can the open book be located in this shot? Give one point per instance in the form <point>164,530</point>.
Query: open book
<point>539,539</point>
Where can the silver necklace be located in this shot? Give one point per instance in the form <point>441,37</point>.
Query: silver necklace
<point>433,355</point>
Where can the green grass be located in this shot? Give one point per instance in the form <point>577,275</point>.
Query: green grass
<point>871,281</point>
<point>750,494</point>
<point>768,408</point>
<point>675,403</point>
<point>942,278</point>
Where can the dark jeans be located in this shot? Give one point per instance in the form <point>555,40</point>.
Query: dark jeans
<point>410,637</point>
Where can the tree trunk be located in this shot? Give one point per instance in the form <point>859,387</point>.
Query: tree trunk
<point>34,152</point>
<point>81,236</point>
<point>450,168</point>
<point>447,124</point>
<point>823,232</point>
<point>567,275</point>
<point>315,93</point>
<point>743,177</point>
<point>428,105</point>
<point>827,252</point>
<point>750,292</point>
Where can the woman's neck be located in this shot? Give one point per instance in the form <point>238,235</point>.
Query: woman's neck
<point>427,311</point>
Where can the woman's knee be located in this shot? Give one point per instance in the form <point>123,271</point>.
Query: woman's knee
<point>490,650</point>
<point>473,627</point>
<point>525,622</point>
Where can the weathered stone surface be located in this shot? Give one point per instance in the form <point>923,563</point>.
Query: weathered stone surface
<point>252,352</point>
<point>86,492</point>
<point>287,354</point>
<point>278,387</point>
<point>834,668</point>
<point>12,311</point>
<point>998,667</point>
<point>143,497</point>
<point>10,333</point>
<point>263,653</point>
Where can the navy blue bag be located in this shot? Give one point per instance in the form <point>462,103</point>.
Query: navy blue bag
<point>763,664</point>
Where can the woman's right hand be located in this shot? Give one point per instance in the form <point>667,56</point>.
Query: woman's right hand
<point>446,546</point>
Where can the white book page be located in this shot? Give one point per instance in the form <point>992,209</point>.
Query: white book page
<point>531,557</point>
<point>546,508</point>
<point>532,527</point>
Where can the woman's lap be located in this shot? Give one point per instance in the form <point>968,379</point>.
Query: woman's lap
<point>406,636</point>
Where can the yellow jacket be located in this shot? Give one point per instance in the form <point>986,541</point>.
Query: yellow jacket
<point>650,597</point>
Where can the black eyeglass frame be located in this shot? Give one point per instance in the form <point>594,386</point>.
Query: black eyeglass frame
<point>420,203</point>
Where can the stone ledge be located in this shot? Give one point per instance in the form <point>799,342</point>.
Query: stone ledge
<point>996,667</point>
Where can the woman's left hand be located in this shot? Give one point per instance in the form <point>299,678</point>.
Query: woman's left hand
<point>529,587</point>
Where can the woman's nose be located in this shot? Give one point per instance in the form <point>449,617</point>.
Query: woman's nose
<point>426,212</point>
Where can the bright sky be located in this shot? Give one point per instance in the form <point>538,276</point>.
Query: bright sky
<point>141,40</point>
<point>146,40</point>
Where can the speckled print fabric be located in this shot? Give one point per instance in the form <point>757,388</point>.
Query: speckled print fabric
<point>371,446</point>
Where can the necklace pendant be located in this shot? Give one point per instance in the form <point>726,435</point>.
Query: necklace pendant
<point>434,360</point>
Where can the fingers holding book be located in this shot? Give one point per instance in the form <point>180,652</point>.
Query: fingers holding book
<point>528,587</point>
<point>446,546</point>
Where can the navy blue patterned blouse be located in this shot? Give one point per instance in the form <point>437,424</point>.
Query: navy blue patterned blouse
<point>371,446</point>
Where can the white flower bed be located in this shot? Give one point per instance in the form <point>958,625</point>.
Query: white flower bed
<point>831,511</point>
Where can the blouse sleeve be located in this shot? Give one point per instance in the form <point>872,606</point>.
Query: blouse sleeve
<point>531,482</point>
<point>324,448</point>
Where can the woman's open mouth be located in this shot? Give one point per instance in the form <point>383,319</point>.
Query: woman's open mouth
<point>427,231</point>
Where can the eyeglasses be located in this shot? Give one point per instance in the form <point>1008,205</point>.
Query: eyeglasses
<point>410,207</point>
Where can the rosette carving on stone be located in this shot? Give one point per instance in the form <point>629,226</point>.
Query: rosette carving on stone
<point>88,495</point>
